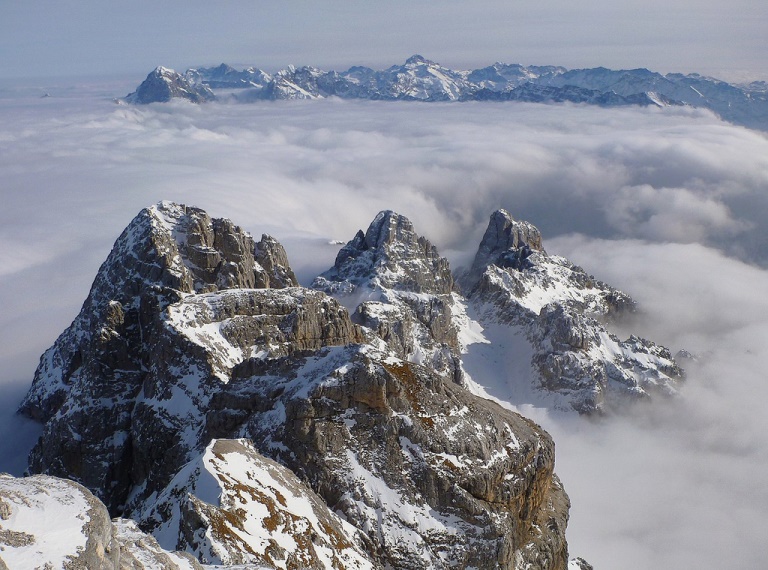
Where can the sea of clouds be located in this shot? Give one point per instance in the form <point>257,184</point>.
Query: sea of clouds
<point>669,205</point>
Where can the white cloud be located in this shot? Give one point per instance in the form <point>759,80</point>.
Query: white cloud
<point>678,484</point>
<point>669,214</point>
<point>669,205</point>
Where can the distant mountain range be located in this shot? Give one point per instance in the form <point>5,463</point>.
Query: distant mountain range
<point>420,79</point>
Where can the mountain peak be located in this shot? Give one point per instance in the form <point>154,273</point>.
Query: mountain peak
<point>389,255</point>
<point>164,84</point>
<point>388,227</point>
<point>504,237</point>
<point>417,59</point>
<point>164,71</point>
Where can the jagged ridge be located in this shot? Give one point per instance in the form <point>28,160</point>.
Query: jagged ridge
<point>174,350</point>
<point>420,79</point>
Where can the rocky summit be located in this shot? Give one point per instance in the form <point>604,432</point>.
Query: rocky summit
<point>164,84</point>
<point>226,413</point>
<point>560,317</point>
<point>400,288</point>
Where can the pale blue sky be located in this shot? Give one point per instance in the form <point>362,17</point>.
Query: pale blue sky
<point>723,38</point>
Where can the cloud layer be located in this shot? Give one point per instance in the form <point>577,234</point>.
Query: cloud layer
<point>669,205</point>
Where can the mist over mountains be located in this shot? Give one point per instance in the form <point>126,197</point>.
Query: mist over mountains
<point>420,79</point>
<point>667,204</point>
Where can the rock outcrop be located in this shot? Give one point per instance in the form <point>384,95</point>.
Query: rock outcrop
<point>206,342</point>
<point>564,315</point>
<point>389,255</point>
<point>400,288</point>
<point>140,551</point>
<point>433,476</point>
<point>232,505</point>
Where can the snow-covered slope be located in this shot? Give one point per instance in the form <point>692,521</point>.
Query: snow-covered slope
<point>232,505</point>
<point>420,79</point>
<point>47,522</point>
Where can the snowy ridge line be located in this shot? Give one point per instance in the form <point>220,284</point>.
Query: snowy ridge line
<point>420,79</point>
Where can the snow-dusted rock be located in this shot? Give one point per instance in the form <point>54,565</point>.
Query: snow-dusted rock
<point>562,314</point>
<point>86,385</point>
<point>389,255</point>
<point>400,287</point>
<point>420,79</point>
<point>232,505</point>
<point>140,551</point>
<point>579,564</point>
<point>204,342</point>
<point>228,77</point>
<point>175,351</point>
<point>164,84</point>
<point>434,476</point>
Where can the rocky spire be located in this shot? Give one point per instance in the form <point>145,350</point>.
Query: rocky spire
<point>506,242</point>
<point>564,313</point>
<point>389,255</point>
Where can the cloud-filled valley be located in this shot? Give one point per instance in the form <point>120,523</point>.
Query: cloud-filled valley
<point>669,205</point>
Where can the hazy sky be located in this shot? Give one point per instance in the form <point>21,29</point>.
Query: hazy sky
<point>725,38</point>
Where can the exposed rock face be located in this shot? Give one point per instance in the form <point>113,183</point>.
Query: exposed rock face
<point>164,84</point>
<point>206,341</point>
<point>179,381</point>
<point>140,551</point>
<point>579,564</point>
<point>389,255</point>
<point>512,267</point>
<point>564,313</point>
<point>400,288</point>
<point>86,386</point>
<point>433,476</point>
<point>506,243</point>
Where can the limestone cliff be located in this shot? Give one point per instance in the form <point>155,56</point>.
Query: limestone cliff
<point>204,395</point>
